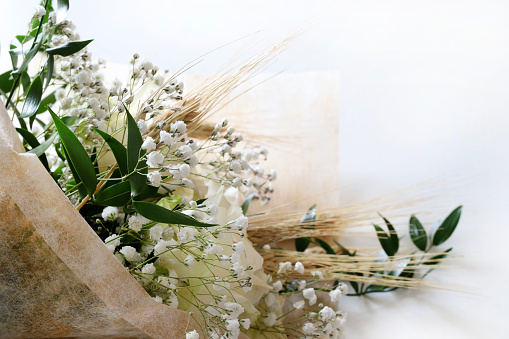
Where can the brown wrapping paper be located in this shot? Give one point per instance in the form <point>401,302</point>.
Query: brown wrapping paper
<point>57,279</point>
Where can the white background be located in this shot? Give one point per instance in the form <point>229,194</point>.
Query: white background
<point>424,95</point>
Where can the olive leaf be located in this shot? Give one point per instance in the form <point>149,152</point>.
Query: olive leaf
<point>78,157</point>
<point>393,236</point>
<point>33,99</point>
<point>115,195</point>
<point>163,215</point>
<point>39,150</point>
<point>61,9</point>
<point>34,143</point>
<point>69,48</point>
<point>447,227</point>
<point>385,241</point>
<point>50,65</point>
<point>246,203</point>
<point>134,153</point>
<point>418,233</point>
<point>302,243</point>
<point>119,151</point>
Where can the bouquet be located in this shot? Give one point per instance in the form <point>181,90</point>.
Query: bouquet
<point>168,208</point>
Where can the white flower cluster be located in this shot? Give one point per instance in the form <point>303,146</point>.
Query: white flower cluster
<point>301,294</point>
<point>211,271</point>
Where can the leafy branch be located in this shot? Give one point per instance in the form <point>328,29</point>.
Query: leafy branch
<point>402,269</point>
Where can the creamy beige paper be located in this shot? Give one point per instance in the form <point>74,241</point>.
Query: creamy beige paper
<point>57,279</point>
<point>296,116</point>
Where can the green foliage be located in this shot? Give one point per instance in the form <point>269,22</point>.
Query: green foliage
<point>28,57</point>
<point>301,244</point>
<point>246,203</point>
<point>33,99</point>
<point>389,242</point>
<point>119,151</point>
<point>136,167</point>
<point>32,141</point>
<point>447,227</point>
<point>69,48</point>
<point>45,102</point>
<point>115,195</point>
<point>78,157</point>
<point>39,150</point>
<point>50,64</point>
<point>164,215</point>
<point>393,236</point>
<point>79,184</point>
<point>61,9</point>
<point>323,244</point>
<point>386,241</point>
<point>6,82</point>
<point>418,233</point>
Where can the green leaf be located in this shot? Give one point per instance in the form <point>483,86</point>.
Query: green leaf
<point>418,233</point>
<point>134,152</point>
<point>33,142</point>
<point>77,155</point>
<point>45,102</point>
<point>302,243</point>
<point>61,9</point>
<point>50,64</point>
<point>170,202</point>
<point>69,121</point>
<point>33,99</point>
<point>376,288</point>
<point>6,82</point>
<point>161,270</point>
<point>25,81</point>
<point>14,58</point>
<point>163,215</point>
<point>446,229</point>
<point>69,48</point>
<point>385,241</point>
<point>147,193</point>
<point>93,158</point>
<point>81,188</point>
<point>437,258</point>
<point>28,57</point>
<point>308,217</point>
<point>39,150</point>
<point>343,249</point>
<point>29,138</point>
<point>115,195</point>
<point>355,286</point>
<point>21,38</point>
<point>328,249</point>
<point>119,151</point>
<point>393,235</point>
<point>247,202</point>
<point>407,273</point>
<point>200,201</point>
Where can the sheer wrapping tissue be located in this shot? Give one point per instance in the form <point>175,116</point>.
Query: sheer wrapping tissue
<point>57,279</point>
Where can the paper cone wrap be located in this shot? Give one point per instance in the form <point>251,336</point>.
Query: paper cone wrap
<point>57,278</point>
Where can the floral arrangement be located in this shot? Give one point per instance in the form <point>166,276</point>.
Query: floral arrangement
<point>169,193</point>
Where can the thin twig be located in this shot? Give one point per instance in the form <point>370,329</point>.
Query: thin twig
<point>98,188</point>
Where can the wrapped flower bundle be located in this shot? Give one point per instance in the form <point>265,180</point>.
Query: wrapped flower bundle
<point>128,210</point>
